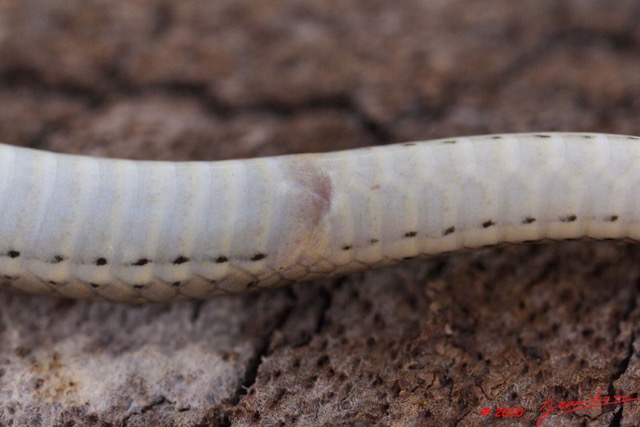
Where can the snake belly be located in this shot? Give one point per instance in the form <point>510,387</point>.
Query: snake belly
<point>126,230</point>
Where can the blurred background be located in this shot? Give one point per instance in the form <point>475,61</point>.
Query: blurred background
<point>433,343</point>
<point>232,78</point>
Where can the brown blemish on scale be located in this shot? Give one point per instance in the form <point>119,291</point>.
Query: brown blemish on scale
<point>316,199</point>
<point>305,203</point>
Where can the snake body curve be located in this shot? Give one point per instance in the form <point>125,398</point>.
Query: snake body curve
<point>127,230</point>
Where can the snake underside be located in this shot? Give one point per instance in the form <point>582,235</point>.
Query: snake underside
<point>151,231</point>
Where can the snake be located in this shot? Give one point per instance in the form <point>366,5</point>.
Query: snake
<point>138,231</point>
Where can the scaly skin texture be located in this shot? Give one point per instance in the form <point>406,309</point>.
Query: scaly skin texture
<point>154,231</point>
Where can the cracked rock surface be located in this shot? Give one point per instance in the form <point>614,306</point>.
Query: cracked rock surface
<point>428,343</point>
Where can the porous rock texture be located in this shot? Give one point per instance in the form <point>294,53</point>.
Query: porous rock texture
<point>438,342</point>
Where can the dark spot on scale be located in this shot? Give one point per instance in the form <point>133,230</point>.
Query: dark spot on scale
<point>588,136</point>
<point>53,282</point>
<point>488,224</point>
<point>568,218</point>
<point>542,136</point>
<point>374,241</point>
<point>6,276</point>
<point>180,260</point>
<point>94,285</point>
<point>409,144</point>
<point>633,137</point>
<point>407,258</point>
<point>57,259</point>
<point>448,231</point>
<point>528,220</point>
<point>258,257</point>
<point>176,284</point>
<point>531,240</point>
<point>141,262</point>
<point>252,284</point>
<point>13,254</point>
<point>496,137</point>
<point>101,261</point>
<point>346,247</point>
<point>449,141</point>
<point>411,234</point>
<point>138,287</point>
<point>613,218</point>
<point>221,259</point>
